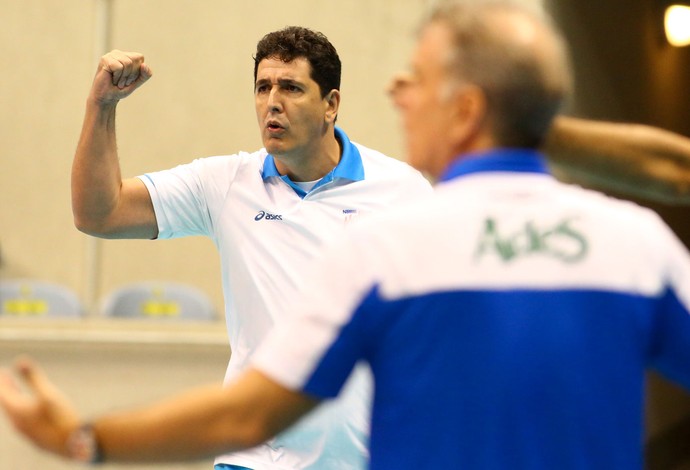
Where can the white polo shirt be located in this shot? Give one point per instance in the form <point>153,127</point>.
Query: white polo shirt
<point>266,230</point>
<point>508,322</point>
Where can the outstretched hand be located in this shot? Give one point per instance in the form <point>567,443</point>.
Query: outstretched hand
<point>119,74</point>
<point>41,412</point>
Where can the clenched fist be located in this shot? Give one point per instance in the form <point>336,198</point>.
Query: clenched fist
<point>119,74</point>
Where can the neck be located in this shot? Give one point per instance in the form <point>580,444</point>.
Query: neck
<point>478,143</point>
<point>311,163</point>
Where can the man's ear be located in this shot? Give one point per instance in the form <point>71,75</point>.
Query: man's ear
<point>468,116</point>
<point>332,102</point>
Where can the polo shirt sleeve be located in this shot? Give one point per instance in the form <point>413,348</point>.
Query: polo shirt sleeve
<point>183,197</point>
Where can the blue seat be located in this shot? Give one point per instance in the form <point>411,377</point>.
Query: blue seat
<point>32,298</point>
<point>160,300</point>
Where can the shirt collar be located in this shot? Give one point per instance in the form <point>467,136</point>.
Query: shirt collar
<point>510,160</point>
<point>349,167</point>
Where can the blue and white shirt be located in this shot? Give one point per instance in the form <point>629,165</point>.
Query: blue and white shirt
<point>267,229</point>
<point>508,322</point>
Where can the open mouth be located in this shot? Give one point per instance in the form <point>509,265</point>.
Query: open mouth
<point>273,126</point>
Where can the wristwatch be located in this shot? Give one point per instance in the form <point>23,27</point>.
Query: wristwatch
<point>83,446</point>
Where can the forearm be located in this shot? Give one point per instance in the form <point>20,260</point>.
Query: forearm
<point>635,160</point>
<point>200,423</point>
<point>204,422</point>
<point>96,177</point>
<point>190,426</point>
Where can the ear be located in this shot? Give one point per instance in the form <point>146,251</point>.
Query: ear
<point>468,117</point>
<point>332,103</point>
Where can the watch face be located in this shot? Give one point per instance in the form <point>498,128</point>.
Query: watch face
<point>82,445</point>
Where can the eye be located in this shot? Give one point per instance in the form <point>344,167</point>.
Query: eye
<point>260,89</point>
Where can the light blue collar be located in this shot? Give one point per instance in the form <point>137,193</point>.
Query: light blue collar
<point>348,168</point>
<point>510,160</point>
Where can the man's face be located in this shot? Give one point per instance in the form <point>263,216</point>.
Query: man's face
<point>291,113</point>
<point>422,97</point>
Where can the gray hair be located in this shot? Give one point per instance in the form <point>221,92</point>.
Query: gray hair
<point>524,85</point>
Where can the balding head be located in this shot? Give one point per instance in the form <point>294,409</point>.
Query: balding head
<point>515,56</point>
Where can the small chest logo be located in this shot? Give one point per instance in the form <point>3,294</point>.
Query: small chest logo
<point>263,215</point>
<point>349,215</point>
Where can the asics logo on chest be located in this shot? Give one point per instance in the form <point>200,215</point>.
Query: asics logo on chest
<point>263,215</point>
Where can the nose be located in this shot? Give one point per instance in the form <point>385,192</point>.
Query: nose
<point>274,102</point>
<point>397,87</point>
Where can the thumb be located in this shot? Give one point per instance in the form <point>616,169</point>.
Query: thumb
<point>138,79</point>
<point>145,72</point>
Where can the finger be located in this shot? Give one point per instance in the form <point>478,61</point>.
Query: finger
<point>126,70</point>
<point>11,395</point>
<point>112,63</point>
<point>123,66</point>
<point>132,64</point>
<point>115,68</point>
<point>35,378</point>
<point>8,386</point>
<point>128,73</point>
<point>46,394</point>
<point>138,79</point>
<point>145,73</point>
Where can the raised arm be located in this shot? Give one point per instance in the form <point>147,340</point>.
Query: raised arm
<point>629,159</point>
<point>204,422</point>
<point>103,203</point>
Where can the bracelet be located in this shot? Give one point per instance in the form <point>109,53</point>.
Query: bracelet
<point>83,446</point>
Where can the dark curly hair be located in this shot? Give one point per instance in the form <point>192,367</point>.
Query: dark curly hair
<point>294,42</point>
